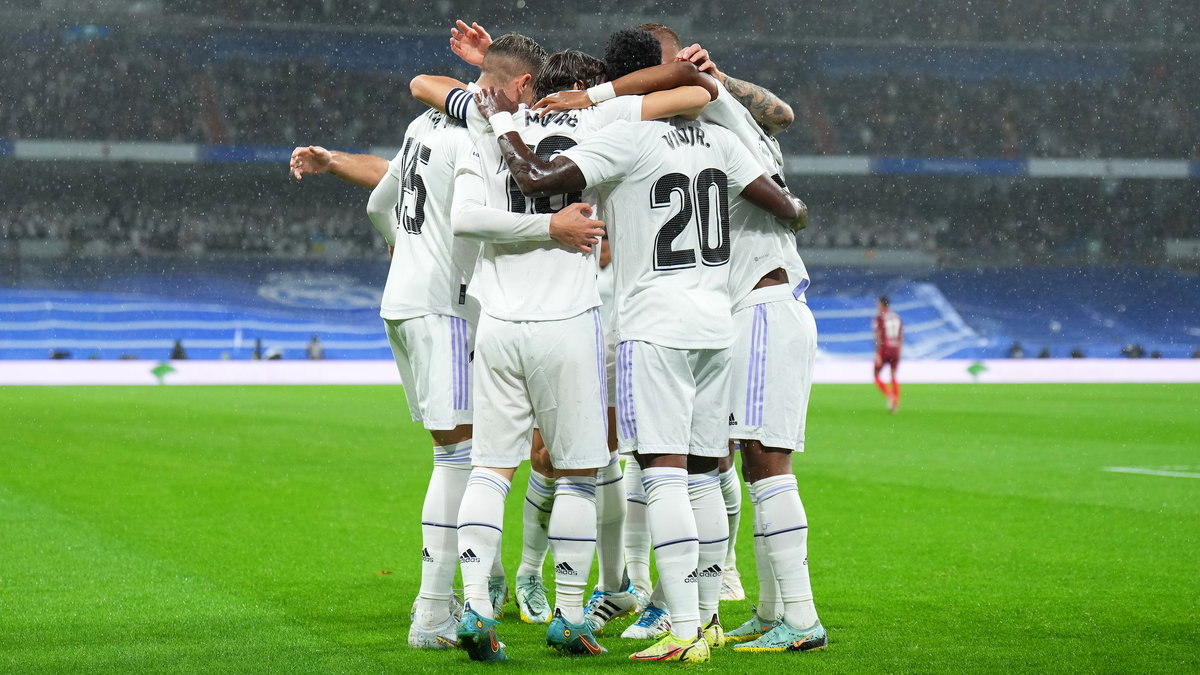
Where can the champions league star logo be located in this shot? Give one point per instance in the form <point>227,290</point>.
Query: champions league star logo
<point>319,291</point>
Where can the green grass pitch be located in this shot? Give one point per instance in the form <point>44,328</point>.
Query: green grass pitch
<point>274,529</point>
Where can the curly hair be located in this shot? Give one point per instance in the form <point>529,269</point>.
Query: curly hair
<point>513,55</point>
<point>631,49</point>
<point>563,69</point>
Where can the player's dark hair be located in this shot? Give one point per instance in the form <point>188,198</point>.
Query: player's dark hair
<point>883,300</point>
<point>631,49</point>
<point>512,55</point>
<point>563,69</point>
<point>665,35</point>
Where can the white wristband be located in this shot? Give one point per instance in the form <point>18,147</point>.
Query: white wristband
<point>601,92</point>
<point>502,123</point>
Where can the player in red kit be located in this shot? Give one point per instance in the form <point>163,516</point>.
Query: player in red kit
<point>889,337</point>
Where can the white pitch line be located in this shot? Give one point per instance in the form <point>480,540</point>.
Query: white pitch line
<point>1151,472</point>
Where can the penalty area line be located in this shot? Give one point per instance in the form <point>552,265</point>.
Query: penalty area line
<point>1152,472</point>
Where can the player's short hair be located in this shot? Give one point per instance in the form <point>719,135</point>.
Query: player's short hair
<point>512,55</point>
<point>631,49</point>
<point>883,300</point>
<point>665,35</point>
<point>563,69</point>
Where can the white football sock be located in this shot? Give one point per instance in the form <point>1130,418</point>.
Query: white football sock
<point>535,520</point>
<point>708,507</point>
<point>573,541</point>
<point>785,533</point>
<point>731,490</point>
<point>610,521</point>
<point>769,606</point>
<point>676,545</point>
<point>480,529</point>
<point>637,532</point>
<point>439,529</point>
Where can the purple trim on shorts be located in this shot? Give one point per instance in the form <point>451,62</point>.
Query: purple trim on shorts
<point>756,379</point>
<point>626,417</point>
<point>461,362</point>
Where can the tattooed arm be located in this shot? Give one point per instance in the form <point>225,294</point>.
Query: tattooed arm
<point>771,113</point>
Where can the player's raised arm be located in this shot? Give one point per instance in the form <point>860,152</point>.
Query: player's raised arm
<point>362,170</point>
<point>535,176</point>
<point>770,111</point>
<point>662,79</point>
<point>432,90</point>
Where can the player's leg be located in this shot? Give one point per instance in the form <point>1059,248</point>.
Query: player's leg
<point>731,491</point>
<point>655,396</point>
<point>565,365</point>
<point>878,380</point>
<point>503,425</point>
<point>781,522</point>
<point>895,396</point>
<point>430,352</point>
<point>708,445</point>
<point>539,498</point>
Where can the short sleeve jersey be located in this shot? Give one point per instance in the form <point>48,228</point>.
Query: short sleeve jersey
<point>539,280</point>
<point>430,268</point>
<point>889,330</point>
<point>759,243</point>
<point>666,189</point>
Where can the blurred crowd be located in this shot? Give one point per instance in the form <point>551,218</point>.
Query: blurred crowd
<point>1108,21</point>
<point>130,88</point>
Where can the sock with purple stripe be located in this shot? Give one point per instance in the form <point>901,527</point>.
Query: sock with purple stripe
<point>535,520</point>
<point>610,510</point>
<point>708,507</point>
<point>785,534</point>
<point>480,529</point>
<point>637,532</point>
<point>573,542</point>
<point>439,529</point>
<point>676,545</point>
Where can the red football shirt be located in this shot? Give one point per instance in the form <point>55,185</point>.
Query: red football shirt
<point>889,331</point>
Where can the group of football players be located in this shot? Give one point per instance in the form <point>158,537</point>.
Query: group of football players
<point>670,328</point>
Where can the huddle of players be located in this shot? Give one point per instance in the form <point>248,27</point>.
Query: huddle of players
<point>709,318</point>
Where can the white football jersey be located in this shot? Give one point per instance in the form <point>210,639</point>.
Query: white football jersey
<point>538,280</point>
<point>431,268</point>
<point>759,243</point>
<point>666,188</point>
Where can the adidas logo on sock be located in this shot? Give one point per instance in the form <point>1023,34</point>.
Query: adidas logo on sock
<point>425,555</point>
<point>565,569</point>
<point>468,556</point>
<point>732,420</point>
<point>691,578</point>
<point>714,571</point>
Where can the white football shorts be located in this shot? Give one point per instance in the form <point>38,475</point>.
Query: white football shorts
<point>433,355</point>
<point>548,373</point>
<point>773,358</point>
<point>672,401</point>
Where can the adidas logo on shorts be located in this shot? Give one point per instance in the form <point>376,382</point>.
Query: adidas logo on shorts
<point>565,569</point>
<point>713,571</point>
<point>732,420</point>
<point>468,556</point>
<point>425,555</point>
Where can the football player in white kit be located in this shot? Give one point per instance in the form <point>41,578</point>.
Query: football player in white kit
<point>666,192</point>
<point>773,363</point>
<point>429,319</point>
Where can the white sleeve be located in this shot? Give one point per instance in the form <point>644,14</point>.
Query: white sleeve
<point>741,167</point>
<point>626,108</point>
<point>605,155</point>
<point>381,205</point>
<point>471,218</point>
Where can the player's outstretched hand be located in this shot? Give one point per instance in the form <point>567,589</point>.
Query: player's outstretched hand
<point>310,159</point>
<point>491,101</point>
<point>574,227</point>
<point>699,56</point>
<point>563,100</point>
<point>470,43</point>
